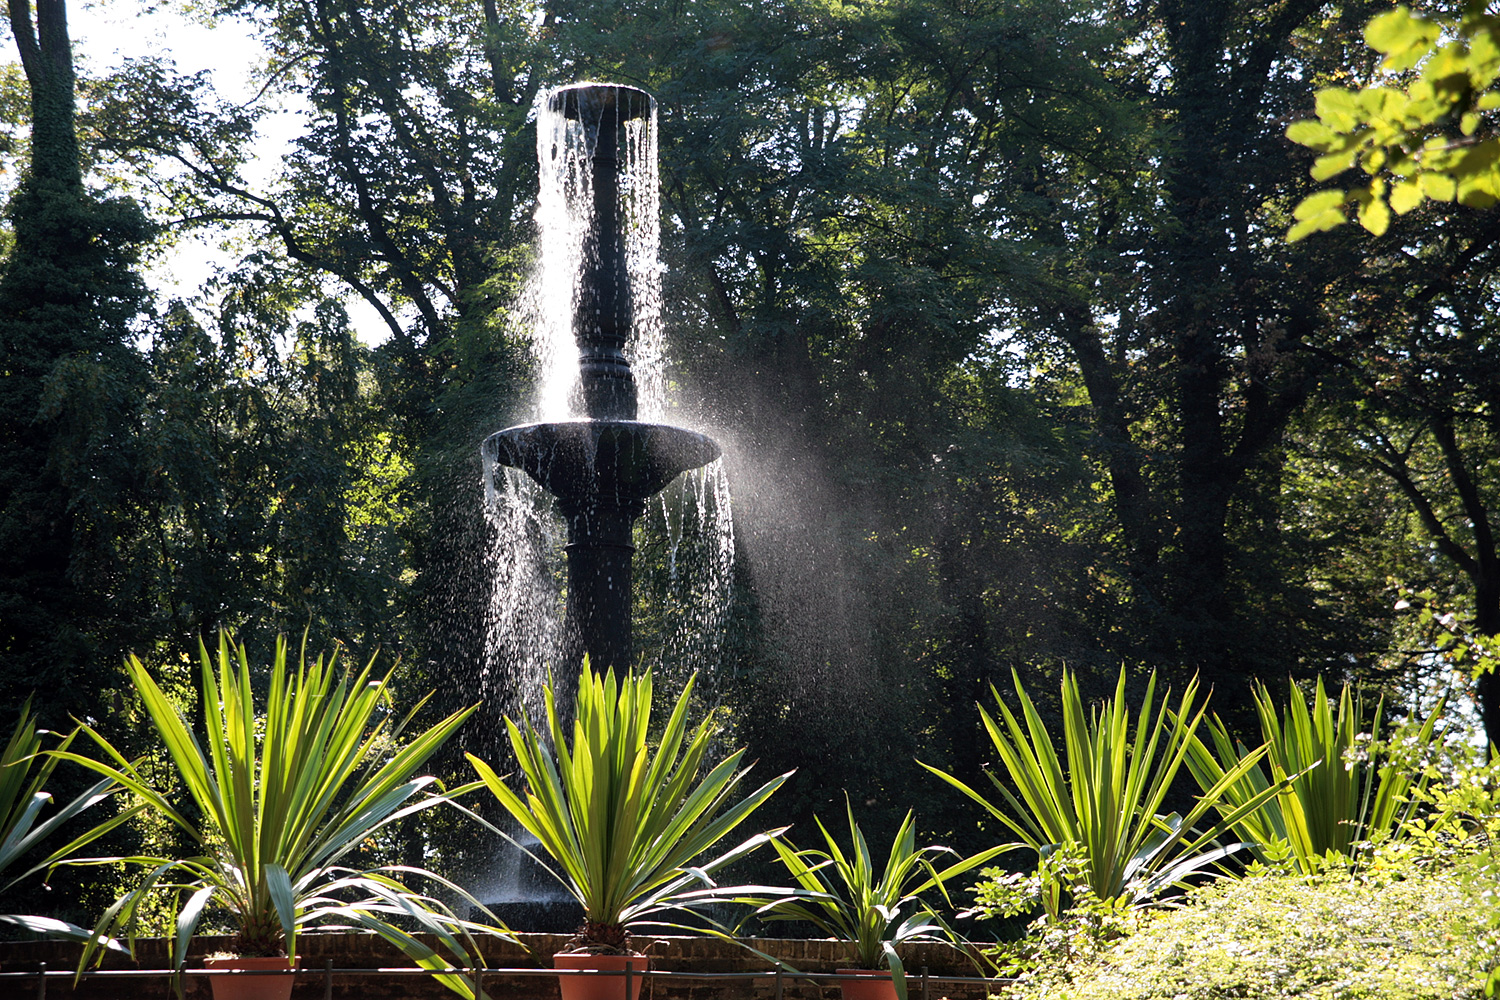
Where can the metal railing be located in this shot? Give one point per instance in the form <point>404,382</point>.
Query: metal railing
<point>922,980</point>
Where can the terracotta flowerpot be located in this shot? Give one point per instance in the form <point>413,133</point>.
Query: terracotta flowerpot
<point>250,987</point>
<point>871,986</point>
<point>600,987</point>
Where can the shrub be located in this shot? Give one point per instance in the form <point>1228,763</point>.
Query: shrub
<point>1409,933</point>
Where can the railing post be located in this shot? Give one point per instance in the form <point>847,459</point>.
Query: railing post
<point>780,972</point>
<point>41,981</point>
<point>328,978</point>
<point>629,970</point>
<point>924,983</point>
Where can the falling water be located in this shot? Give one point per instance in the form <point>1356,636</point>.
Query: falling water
<point>564,205</point>
<point>685,540</point>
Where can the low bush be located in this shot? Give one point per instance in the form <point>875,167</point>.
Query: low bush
<point>1416,917</point>
<point>1426,936</point>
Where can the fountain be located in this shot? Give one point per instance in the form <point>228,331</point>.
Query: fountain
<point>598,460</point>
<point>604,465</point>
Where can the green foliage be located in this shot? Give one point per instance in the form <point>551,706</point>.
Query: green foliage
<point>1412,934</point>
<point>1104,806</point>
<point>845,895</point>
<point>1453,635</point>
<point>1342,792</point>
<point>1087,925</point>
<point>22,798</point>
<point>1417,919</point>
<point>285,798</point>
<point>626,825</point>
<point>1427,134</point>
<point>1459,803</point>
<point>273,474</point>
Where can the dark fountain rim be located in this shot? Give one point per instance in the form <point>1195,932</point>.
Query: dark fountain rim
<point>688,449</point>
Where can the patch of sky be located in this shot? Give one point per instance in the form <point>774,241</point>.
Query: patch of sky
<point>230,52</point>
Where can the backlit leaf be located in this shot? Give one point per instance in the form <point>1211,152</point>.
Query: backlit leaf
<point>1339,108</point>
<point>1394,30</point>
<point>1374,215</point>
<point>1318,203</point>
<point>1330,166</point>
<point>1310,132</point>
<point>1401,36</point>
<point>1476,191</point>
<point>1405,196</point>
<point>1438,187</point>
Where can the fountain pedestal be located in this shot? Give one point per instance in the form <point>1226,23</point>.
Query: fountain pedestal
<point>604,466</point>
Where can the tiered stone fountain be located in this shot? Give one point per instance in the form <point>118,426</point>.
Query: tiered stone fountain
<point>603,466</point>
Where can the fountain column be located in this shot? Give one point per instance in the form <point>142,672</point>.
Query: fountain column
<point>603,317</point>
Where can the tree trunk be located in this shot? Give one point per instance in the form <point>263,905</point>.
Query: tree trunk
<point>47,58</point>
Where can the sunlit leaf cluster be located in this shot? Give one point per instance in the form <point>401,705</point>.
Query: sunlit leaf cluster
<point>1427,134</point>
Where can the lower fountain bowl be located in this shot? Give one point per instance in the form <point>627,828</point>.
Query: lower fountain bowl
<point>617,462</point>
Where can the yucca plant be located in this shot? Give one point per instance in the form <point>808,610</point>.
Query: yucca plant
<point>847,897</point>
<point>1335,796</point>
<point>1102,801</point>
<point>284,797</point>
<point>626,827</point>
<point>24,772</point>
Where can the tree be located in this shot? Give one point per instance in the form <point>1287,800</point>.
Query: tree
<point>1425,406</point>
<point>879,193</point>
<point>68,299</point>
<point>406,191</point>
<point>270,476</point>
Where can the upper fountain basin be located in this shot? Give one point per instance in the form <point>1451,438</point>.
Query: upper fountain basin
<point>589,102</point>
<point>615,463</point>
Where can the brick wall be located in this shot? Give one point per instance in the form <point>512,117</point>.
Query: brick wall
<point>366,951</point>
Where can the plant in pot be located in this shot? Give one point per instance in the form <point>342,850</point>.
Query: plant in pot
<point>282,801</point>
<point>625,827</point>
<point>1100,801</point>
<point>1343,790</point>
<point>24,771</point>
<point>844,895</point>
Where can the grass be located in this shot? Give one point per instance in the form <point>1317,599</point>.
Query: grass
<point>1408,936</point>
